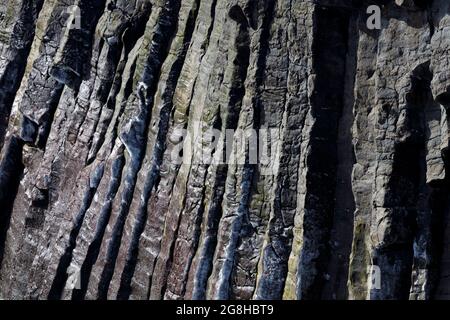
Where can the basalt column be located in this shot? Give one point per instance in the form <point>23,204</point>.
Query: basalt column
<point>224,149</point>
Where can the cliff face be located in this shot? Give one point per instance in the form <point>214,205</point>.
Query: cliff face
<point>98,96</point>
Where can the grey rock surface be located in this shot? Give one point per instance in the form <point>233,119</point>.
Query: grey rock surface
<point>95,95</point>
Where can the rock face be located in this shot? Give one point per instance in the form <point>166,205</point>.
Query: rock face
<point>99,97</point>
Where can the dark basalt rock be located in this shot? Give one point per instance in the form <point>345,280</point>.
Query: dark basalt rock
<point>94,102</point>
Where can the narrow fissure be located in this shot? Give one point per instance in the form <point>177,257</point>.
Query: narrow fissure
<point>12,77</point>
<point>330,48</point>
<point>11,171</point>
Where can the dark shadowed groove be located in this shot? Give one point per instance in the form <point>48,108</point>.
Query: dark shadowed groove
<point>395,259</point>
<point>408,197</point>
<point>11,171</point>
<point>22,39</point>
<point>440,207</point>
<point>211,27</point>
<point>71,67</point>
<point>423,4</point>
<point>440,221</point>
<point>440,224</point>
<point>105,213</point>
<point>242,62</point>
<point>205,264</point>
<point>440,232</point>
<point>51,105</point>
<point>430,18</point>
<point>342,231</point>
<point>61,275</point>
<point>329,49</point>
<point>431,199</point>
<point>157,158</point>
<point>165,30</point>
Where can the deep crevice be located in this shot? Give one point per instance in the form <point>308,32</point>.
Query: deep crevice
<point>21,41</point>
<point>407,207</point>
<point>330,46</point>
<point>11,171</point>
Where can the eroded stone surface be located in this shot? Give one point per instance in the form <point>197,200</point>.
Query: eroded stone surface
<point>90,117</point>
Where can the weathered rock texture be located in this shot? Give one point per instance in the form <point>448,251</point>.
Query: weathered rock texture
<point>90,115</point>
